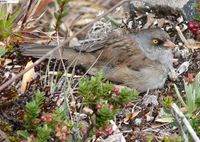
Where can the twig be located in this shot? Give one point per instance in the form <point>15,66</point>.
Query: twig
<point>179,114</point>
<point>27,12</point>
<point>3,86</point>
<point>184,40</point>
<point>158,126</point>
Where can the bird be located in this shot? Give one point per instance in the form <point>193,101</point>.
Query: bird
<point>140,60</point>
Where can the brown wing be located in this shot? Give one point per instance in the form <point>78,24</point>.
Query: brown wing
<point>119,51</point>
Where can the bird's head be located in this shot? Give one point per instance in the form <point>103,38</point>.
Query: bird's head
<point>154,38</point>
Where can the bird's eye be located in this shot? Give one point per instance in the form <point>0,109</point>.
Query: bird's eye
<point>155,41</point>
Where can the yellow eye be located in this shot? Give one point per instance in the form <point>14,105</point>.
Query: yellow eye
<point>155,41</point>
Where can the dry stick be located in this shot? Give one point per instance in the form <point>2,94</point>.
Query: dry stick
<point>175,108</point>
<point>184,40</point>
<point>3,86</point>
<point>155,127</point>
<point>26,14</point>
<point>182,36</point>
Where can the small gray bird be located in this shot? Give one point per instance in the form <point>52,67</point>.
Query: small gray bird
<point>141,60</point>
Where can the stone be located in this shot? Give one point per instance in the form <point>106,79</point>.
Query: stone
<point>186,6</point>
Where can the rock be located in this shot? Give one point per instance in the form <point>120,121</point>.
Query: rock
<point>189,9</point>
<point>186,6</point>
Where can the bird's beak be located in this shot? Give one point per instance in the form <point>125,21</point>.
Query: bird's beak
<point>169,44</point>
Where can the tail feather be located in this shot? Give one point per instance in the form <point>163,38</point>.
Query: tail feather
<point>37,51</point>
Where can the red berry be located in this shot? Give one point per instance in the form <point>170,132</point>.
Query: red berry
<point>36,121</point>
<point>110,132</point>
<point>100,133</point>
<point>196,24</point>
<point>194,27</point>
<point>32,138</point>
<point>49,119</point>
<point>108,129</point>
<point>111,106</point>
<point>43,118</point>
<point>193,24</point>
<point>63,137</point>
<point>98,106</point>
<point>116,90</point>
<point>58,129</point>
<point>190,25</point>
<point>194,30</point>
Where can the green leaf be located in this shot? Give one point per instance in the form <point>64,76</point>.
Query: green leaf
<point>6,24</point>
<point>2,15</point>
<point>125,96</point>
<point>56,15</point>
<point>197,18</point>
<point>192,92</point>
<point>59,2</point>
<point>104,114</point>
<point>13,16</point>
<point>24,134</point>
<point>198,102</point>
<point>32,111</point>
<point>2,51</point>
<point>39,98</point>
<point>64,13</point>
<point>59,115</point>
<point>43,133</point>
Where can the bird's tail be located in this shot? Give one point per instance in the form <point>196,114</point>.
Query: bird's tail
<point>69,54</point>
<point>37,51</point>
